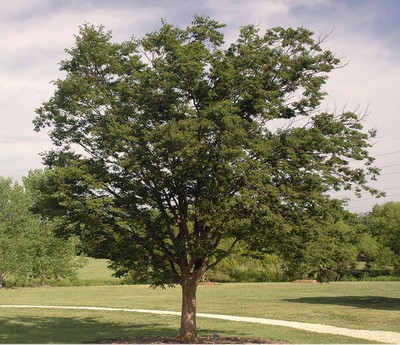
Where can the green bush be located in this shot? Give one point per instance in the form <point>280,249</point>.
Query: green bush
<point>382,278</point>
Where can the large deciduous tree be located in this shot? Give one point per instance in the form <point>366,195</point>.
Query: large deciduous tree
<point>169,145</point>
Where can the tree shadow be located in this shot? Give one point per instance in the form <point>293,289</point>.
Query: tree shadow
<point>369,302</point>
<point>68,330</point>
<point>30,329</point>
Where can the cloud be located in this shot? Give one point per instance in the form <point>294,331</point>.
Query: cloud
<point>245,12</point>
<point>19,9</point>
<point>19,154</point>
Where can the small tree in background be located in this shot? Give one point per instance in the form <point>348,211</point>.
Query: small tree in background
<point>50,256</point>
<point>28,245</point>
<point>170,149</point>
<point>327,249</point>
<point>383,226</point>
<point>53,257</point>
<point>15,222</point>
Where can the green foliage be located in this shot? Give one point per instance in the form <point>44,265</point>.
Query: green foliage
<point>242,267</point>
<point>165,145</point>
<point>54,257</point>
<point>366,277</point>
<point>28,246</point>
<point>332,250</point>
<point>15,222</point>
<point>322,248</point>
<point>383,227</point>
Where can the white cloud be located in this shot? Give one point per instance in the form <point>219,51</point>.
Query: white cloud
<point>245,12</point>
<point>20,8</point>
<point>34,44</point>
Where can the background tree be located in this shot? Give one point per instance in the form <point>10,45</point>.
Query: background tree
<point>15,222</point>
<point>245,266</point>
<point>53,257</point>
<point>329,248</point>
<point>50,256</point>
<point>170,145</point>
<point>28,245</point>
<point>383,226</point>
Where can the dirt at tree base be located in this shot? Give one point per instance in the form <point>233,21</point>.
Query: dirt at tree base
<point>200,340</point>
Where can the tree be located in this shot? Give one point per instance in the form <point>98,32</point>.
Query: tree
<point>169,145</point>
<point>327,248</point>
<point>28,245</point>
<point>51,256</point>
<point>383,226</point>
<point>14,223</point>
<point>245,266</point>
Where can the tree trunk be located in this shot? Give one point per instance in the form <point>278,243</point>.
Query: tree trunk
<point>1,280</point>
<point>42,279</point>
<point>188,333</point>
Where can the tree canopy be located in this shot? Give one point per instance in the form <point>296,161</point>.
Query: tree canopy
<point>383,227</point>
<point>15,222</point>
<point>29,248</point>
<point>168,145</point>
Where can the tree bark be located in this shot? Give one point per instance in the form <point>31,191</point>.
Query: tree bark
<point>42,279</point>
<point>188,333</point>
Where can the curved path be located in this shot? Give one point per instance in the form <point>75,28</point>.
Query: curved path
<point>378,336</point>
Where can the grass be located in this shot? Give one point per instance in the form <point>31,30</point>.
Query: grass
<point>84,327</point>
<point>363,305</point>
<point>96,272</point>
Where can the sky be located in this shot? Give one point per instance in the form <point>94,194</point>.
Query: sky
<point>364,33</point>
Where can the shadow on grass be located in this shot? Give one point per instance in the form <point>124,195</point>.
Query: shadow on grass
<point>28,329</point>
<point>42,330</point>
<point>370,302</point>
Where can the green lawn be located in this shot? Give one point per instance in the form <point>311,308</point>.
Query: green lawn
<point>363,305</point>
<point>95,272</point>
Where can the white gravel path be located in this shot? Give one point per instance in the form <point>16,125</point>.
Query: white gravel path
<point>378,336</point>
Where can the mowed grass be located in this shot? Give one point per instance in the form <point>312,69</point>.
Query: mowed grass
<point>361,305</point>
<point>96,272</point>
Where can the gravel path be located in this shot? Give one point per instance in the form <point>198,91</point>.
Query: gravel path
<point>378,336</point>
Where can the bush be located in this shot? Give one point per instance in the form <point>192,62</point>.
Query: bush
<point>240,268</point>
<point>367,277</point>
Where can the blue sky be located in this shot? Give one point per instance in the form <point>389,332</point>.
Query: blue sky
<point>34,34</point>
